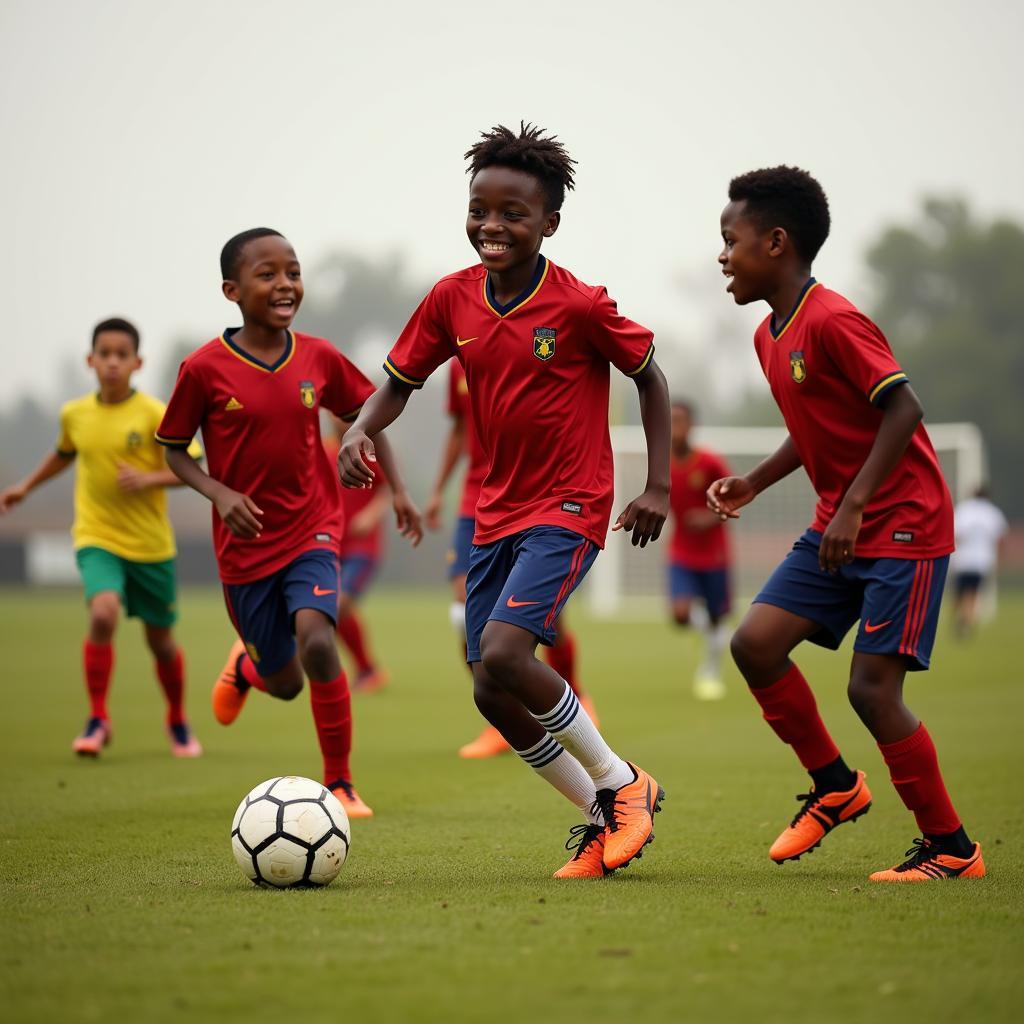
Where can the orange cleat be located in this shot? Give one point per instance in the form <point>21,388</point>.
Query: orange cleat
<point>350,799</point>
<point>94,737</point>
<point>629,817</point>
<point>926,864</point>
<point>817,817</point>
<point>370,681</point>
<point>183,741</point>
<point>229,692</point>
<point>489,743</point>
<point>588,860</point>
<point>588,705</point>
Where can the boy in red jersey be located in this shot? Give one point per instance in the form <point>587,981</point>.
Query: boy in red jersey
<point>463,440</point>
<point>255,392</point>
<point>537,345</point>
<point>698,559</point>
<point>879,546</point>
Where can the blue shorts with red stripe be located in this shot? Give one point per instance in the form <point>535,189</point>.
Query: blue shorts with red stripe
<point>712,585</point>
<point>263,611</point>
<point>462,545</point>
<point>357,572</point>
<point>524,579</point>
<point>897,600</point>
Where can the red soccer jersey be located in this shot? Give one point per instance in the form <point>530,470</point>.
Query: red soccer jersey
<point>829,367</point>
<point>538,375</point>
<point>261,432</point>
<point>458,405</point>
<point>691,477</point>
<point>353,501</point>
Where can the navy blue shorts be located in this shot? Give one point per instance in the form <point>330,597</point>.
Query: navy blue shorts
<point>357,572</point>
<point>462,544</point>
<point>896,600</point>
<point>524,579</point>
<point>264,611</point>
<point>967,582</point>
<point>711,585</point>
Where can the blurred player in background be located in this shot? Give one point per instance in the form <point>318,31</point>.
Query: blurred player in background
<point>979,528</point>
<point>256,393</point>
<point>698,557</point>
<point>537,346</point>
<point>464,440</point>
<point>878,548</point>
<point>124,542</point>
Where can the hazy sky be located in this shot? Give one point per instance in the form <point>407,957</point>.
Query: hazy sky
<point>138,137</point>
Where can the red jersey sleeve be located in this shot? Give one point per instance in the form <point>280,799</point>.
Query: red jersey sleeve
<point>346,389</point>
<point>423,345</point>
<point>185,409</point>
<point>860,351</point>
<point>625,344</point>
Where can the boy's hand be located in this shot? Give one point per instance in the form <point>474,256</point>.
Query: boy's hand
<point>362,524</point>
<point>838,542</point>
<point>356,451</point>
<point>239,513</point>
<point>130,479</point>
<point>407,518</point>
<point>11,497</point>
<point>644,516</point>
<point>728,495</point>
<point>432,512</point>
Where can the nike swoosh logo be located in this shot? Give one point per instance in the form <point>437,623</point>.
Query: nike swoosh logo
<point>513,603</point>
<point>868,628</point>
<point>319,591</point>
<point>464,341</point>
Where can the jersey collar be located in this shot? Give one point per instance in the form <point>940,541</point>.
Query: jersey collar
<point>778,330</point>
<point>503,310</point>
<point>228,342</point>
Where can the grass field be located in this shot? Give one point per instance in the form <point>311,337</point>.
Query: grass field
<point>121,900</point>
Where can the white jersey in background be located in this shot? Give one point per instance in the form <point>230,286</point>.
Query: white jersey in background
<point>977,526</point>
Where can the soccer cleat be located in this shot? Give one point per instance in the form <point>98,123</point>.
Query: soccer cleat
<point>926,864</point>
<point>183,742</point>
<point>818,816</point>
<point>350,799</point>
<point>588,705</point>
<point>588,860</point>
<point>706,687</point>
<point>229,692</point>
<point>489,743</point>
<point>371,680</point>
<point>94,737</point>
<point>628,813</point>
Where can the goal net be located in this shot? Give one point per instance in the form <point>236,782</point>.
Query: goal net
<point>628,581</point>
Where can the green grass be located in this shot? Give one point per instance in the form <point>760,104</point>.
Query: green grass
<point>121,900</point>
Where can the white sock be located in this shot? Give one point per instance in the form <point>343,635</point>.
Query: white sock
<point>715,639</point>
<point>555,765</point>
<point>572,727</point>
<point>457,617</point>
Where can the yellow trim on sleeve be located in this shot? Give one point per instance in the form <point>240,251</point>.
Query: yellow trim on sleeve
<point>643,365</point>
<point>884,383</point>
<point>395,372</point>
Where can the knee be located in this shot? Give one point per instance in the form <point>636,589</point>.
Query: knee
<point>870,696</point>
<point>319,655</point>
<point>501,659</point>
<point>103,620</point>
<point>750,651</point>
<point>285,689</point>
<point>681,614</point>
<point>487,696</point>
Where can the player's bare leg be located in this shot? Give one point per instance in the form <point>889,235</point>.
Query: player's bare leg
<point>98,667</point>
<point>490,742</point>
<point>170,672</point>
<point>561,656</point>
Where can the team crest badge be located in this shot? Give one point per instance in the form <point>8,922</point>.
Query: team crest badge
<point>134,440</point>
<point>308,393</point>
<point>797,368</point>
<point>544,342</point>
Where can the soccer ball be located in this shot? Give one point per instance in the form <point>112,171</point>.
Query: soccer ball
<point>290,831</point>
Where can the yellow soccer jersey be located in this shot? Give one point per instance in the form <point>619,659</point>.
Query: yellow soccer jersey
<point>102,437</point>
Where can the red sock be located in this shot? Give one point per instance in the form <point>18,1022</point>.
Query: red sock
<point>98,665</point>
<point>914,770</point>
<point>350,629</point>
<point>790,709</point>
<point>172,680</point>
<point>332,713</point>
<point>247,670</point>
<point>562,658</point>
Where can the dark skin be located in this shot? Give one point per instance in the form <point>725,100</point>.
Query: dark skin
<point>506,223</point>
<point>763,264</point>
<point>268,290</point>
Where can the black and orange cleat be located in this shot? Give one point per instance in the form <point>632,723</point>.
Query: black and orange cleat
<point>818,816</point>
<point>229,692</point>
<point>588,860</point>
<point>355,806</point>
<point>928,864</point>
<point>629,815</point>
<point>94,737</point>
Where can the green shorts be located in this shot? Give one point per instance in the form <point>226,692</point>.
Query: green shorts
<point>148,590</point>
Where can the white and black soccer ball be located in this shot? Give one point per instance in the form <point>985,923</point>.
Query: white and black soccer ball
<point>290,831</point>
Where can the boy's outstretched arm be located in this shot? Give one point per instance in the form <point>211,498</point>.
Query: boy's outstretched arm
<point>728,495</point>
<point>381,409</point>
<point>901,415</point>
<point>239,512</point>
<point>646,515</point>
<point>407,515</point>
<point>54,463</point>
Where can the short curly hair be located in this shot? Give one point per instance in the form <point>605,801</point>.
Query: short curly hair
<point>231,254</point>
<point>786,197</point>
<point>533,151</point>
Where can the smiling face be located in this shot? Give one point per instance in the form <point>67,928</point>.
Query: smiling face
<point>114,359</point>
<point>268,283</point>
<point>507,218</point>
<point>750,255</point>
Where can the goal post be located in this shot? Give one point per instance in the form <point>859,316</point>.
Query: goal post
<point>628,581</point>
